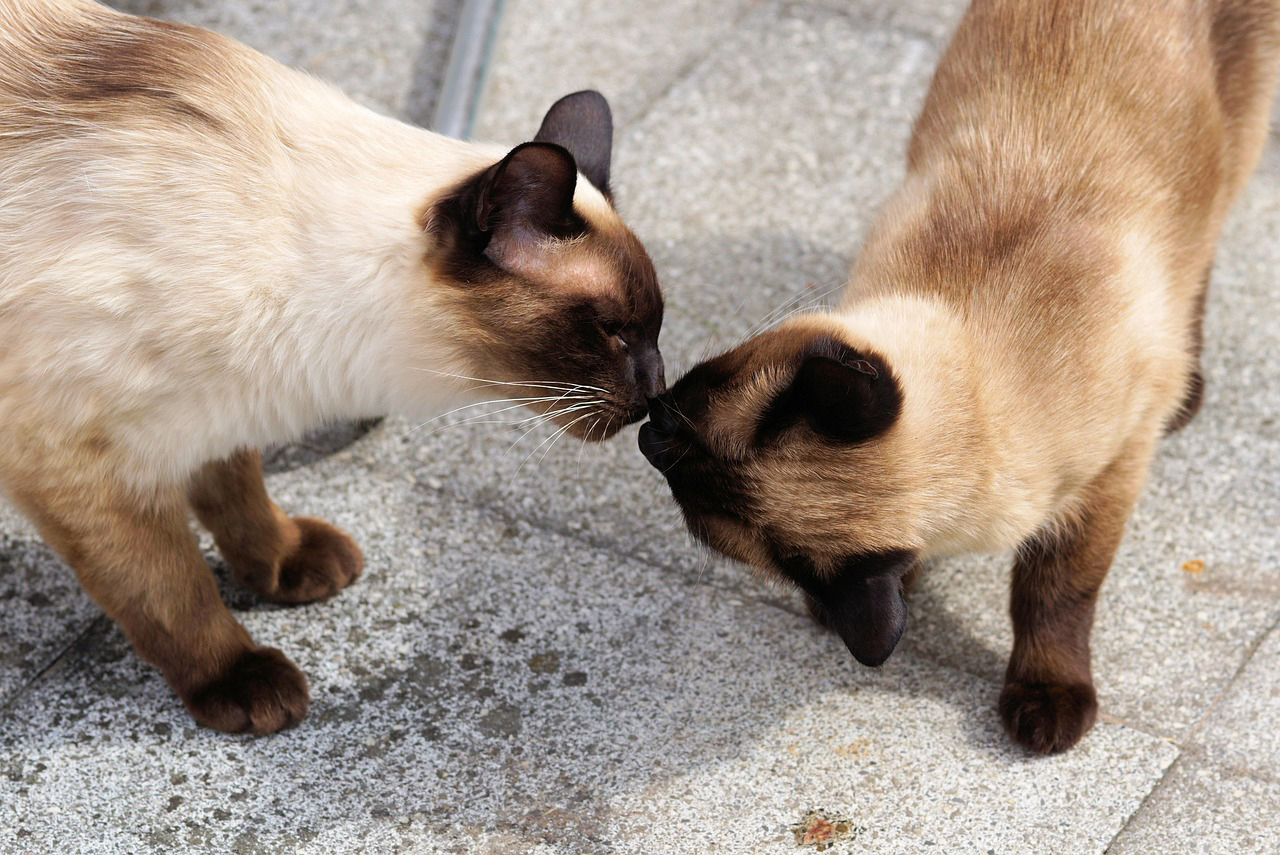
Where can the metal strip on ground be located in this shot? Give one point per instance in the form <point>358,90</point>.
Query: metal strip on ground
<point>464,75</point>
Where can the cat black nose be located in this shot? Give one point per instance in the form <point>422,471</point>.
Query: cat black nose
<point>655,446</point>
<point>662,413</point>
<point>647,364</point>
<point>657,437</point>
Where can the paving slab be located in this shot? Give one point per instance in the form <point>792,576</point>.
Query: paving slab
<point>1202,808</point>
<point>489,684</point>
<point>545,50</point>
<point>42,608</point>
<point>1243,731</point>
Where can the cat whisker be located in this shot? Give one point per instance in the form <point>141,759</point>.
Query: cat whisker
<point>516,403</point>
<point>803,301</point>
<point>540,420</point>
<point>560,433</point>
<point>534,420</point>
<point>528,384</point>
<point>810,295</point>
<point>551,439</point>
<point>583,447</point>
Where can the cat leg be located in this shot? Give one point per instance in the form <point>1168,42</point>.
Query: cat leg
<point>140,563</point>
<point>1194,395</point>
<point>1048,701</point>
<point>282,559</point>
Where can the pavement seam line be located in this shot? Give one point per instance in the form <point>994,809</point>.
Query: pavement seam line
<point>1177,761</point>
<point>1196,729</point>
<point>687,70</point>
<point>93,624</point>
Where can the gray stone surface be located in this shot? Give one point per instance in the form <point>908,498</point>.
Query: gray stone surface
<point>42,609</point>
<point>630,53</point>
<point>537,659</point>
<point>1201,808</point>
<point>1243,731</point>
<point>488,678</point>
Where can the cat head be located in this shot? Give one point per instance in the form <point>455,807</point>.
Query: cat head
<point>783,453</point>
<point>553,290</point>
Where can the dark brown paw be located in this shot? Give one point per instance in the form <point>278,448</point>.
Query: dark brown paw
<point>261,692</point>
<point>1047,717</point>
<point>325,562</point>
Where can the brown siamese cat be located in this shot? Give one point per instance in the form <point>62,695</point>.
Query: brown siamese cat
<point>1022,326</point>
<point>202,252</point>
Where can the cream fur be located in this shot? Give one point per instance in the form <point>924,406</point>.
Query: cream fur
<point>175,293</point>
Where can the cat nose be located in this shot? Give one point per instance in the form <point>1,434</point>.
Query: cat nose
<point>662,413</point>
<point>650,379</point>
<point>655,445</point>
<point>657,438</point>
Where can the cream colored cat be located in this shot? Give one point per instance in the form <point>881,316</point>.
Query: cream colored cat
<point>1022,326</point>
<point>202,252</point>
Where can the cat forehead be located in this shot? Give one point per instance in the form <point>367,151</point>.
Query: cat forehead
<point>604,260</point>
<point>578,263</point>
<point>745,378</point>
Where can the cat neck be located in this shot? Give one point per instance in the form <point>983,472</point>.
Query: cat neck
<point>368,312</point>
<point>976,484</point>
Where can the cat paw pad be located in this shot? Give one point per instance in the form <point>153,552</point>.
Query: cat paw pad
<point>1047,717</point>
<point>261,692</point>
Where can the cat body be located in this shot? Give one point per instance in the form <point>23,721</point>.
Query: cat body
<point>1020,328</point>
<point>203,252</point>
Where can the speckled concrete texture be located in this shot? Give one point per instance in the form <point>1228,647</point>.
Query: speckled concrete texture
<point>1204,808</point>
<point>537,659</point>
<point>488,678</point>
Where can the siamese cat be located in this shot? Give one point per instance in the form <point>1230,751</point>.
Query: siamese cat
<point>1021,327</point>
<point>202,252</point>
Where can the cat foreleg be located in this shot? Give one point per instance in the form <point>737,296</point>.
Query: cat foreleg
<point>1048,701</point>
<point>139,562</point>
<point>282,559</point>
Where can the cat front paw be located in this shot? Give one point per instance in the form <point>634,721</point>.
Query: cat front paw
<point>325,561</point>
<point>261,692</point>
<point>1047,717</point>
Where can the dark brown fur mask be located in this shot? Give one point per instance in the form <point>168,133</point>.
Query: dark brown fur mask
<point>776,453</point>
<point>554,291</point>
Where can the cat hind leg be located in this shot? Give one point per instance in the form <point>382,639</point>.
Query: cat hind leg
<point>1193,396</point>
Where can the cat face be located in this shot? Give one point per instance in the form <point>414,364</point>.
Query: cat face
<point>552,290</point>
<point>780,453</point>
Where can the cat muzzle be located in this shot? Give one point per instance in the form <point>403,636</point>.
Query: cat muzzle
<point>657,438</point>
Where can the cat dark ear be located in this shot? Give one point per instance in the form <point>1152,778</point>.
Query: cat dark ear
<point>842,394</point>
<point>522,199</point>
<point>864,604</point>
<point>583,124</point>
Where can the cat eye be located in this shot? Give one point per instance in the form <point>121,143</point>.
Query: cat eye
<point>611,329</point>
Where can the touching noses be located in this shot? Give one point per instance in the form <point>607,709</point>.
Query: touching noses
<point>657,437</point>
